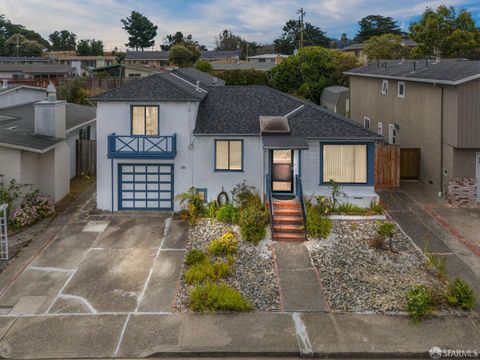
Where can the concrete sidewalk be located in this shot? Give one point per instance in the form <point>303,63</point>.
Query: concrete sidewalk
<point>248,334</point>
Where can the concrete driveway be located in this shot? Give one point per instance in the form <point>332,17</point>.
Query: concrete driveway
<point>122,264</point>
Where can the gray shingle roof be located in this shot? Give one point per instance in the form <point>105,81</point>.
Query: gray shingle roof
<point>17,125</point>
<point>24,59</point>
<point>447,71</point>
<point>192,75</point>
<point>237,109</point>
<point>163,55</point>
<point>37,68</point>
<point>156,87</point>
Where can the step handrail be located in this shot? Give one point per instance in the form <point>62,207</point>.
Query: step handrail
<point>268,184</point>
<point>299,193</point>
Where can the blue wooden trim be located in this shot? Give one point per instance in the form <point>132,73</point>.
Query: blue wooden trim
<point>370,162</point>
<point>144,117</point>
<point>300,163</point>
<point>136,147</point>
<point>158,165</point>
<point>215,156</point>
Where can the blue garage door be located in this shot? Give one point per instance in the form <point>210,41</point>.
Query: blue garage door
<point>145,186</point>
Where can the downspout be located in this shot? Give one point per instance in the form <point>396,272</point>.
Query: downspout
<point>111,175</point>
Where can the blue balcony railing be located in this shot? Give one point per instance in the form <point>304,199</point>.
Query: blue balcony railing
<point>131,146</point>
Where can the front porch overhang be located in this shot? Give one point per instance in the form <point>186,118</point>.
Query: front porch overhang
<point>283,141</point>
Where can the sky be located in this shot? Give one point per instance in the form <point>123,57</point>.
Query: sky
<point>255,20</point>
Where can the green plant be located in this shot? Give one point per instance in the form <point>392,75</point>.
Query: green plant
<point>324,204</point>
<point>217,297</point>
<point>439,264</point>
<point>318,226</point>
<point>211,209</point>
<point>377,242</point>
<point>245,195</point>
<point>253,220</point>
<point>228,214</point>
<point>461,295</point>
<point>376,207</point>
<point>203,65</point>
<point>227,244</point>
<point>419,299</point>
<point>195,204</point>
<point>336,192</point>
<point>195,256</point>
<point>347,208</point>
<point>386,230</point>
<point>206,270</point>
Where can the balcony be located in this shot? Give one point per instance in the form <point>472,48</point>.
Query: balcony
<point>142,147</point>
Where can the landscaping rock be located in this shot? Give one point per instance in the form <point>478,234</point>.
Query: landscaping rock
<point>359,278</point>
<point>254,269</point>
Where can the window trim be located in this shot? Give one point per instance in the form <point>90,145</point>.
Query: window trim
<point>215,156</point>
<point>380,128</point>
<point>370,162</point>
<point>145,119</point>
<point>366,120</point>
<point>390,132</point>
<point>386,91</point>
<point>402,96</point>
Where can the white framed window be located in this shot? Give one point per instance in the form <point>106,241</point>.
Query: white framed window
<point>345,163</point>
<point>366,122</point>
<point>401,89</point>
<point>385,87</point>
<point>380,128</point>
<point>392,134</point>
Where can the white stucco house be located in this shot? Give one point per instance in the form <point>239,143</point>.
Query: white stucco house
<point>37,137</point>
<point>160,135</point>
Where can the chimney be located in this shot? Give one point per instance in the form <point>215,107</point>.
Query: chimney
<point>50,115</point>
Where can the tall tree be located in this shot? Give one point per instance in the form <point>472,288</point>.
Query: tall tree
<point>226,40</point>
<point>141,30</point>
<point>447,33</point>
<point>63,40</point>
<point>19,45</point>
<point>344,40</point>
<point>179,39</point>
<point>290,38</point>
<point>90,47</point>
<point>7,30</point>
<point>376,25</point>
<point>386,46</point>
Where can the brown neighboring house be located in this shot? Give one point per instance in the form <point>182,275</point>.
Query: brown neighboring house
<point>433,106</point>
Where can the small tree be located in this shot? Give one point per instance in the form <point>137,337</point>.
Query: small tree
<point>203,65</point>
<point>387,46</point>
<point>336,192</point>
<point>180,56</point>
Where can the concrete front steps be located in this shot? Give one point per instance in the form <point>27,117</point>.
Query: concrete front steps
<point>287,221</point>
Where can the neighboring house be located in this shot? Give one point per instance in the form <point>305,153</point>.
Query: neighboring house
<point>35,71</point>
<point>432,106</point>
<point>25,60</point>
<point>127,71</point>
<point>19,94</point>
<point>37,140</point>
<point>160,135</point>
<point>261,66</point>
<point>357,49</point>
<point>161,58</point>
<point>267,58</point>
<point>83,64</point>
<point>336,98</point>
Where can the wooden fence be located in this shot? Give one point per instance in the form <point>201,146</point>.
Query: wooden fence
<point>410,163</point>
<point>387,166</point>
<point>86,157</point>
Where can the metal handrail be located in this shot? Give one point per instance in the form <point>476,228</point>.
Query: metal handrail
<point>268,180</point>
<point>299,192</point>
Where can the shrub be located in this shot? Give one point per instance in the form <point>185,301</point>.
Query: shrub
<point>386,230</point>
<point>195,256</point>
<point>419,299</point>
<point>203,65</point>
<point>336,192</point>
<point>195,204</point>
<point>318,226</point>
<point>461,295</point>
<point>377,242</point>
<point>200,272</point>
<point>228,214</point>
<point>227,244</point>
<point>244,196</point>
<point>253,221</point>
<point>33,208</point>
<point>242,77</point>
<point>324,204</point>
<point>347,208</point>
<point>213,297</point>
<point>211,209</point>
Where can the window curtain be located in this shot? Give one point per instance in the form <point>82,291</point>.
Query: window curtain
<point>345,163</point>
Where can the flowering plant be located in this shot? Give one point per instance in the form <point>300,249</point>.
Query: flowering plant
<point>33,208</point>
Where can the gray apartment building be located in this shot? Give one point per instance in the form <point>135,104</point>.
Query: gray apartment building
<point>430,108</point>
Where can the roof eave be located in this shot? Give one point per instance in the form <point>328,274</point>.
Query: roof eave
<point>423,80</point>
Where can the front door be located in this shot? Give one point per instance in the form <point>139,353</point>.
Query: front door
<point>282,171</point>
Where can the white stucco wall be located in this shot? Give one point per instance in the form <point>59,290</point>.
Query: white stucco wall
<point>21,96</point>
<point>72,145</point>
<point>10,160</point>
<point>29,168</point>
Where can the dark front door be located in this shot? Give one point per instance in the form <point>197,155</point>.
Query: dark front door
<point>282,171</point>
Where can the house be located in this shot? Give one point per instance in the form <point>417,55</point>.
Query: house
<point>336,98</point>
<point>267,58</point>
<point>357,49</point>
<point>161,58</point>
<point>127,71</point>
<point>25,60</point>
<point>431,109</point>
<point>83,64</point>
<point>35,71</point>
<point>160,135</point>
<point>11,95</point>
<point>37,138</point>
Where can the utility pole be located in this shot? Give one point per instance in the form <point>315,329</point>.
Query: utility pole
<point>302,14</point>
<point>17,46</point>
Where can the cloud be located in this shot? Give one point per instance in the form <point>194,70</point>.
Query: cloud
<point>255,20</point>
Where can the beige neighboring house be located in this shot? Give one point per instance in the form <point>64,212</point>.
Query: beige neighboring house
<point>127,71</point>
<point>267,58</point>
<point>161,58</point>
<point>38,137</point>
<point>433,106</point>
<point>83,64</point>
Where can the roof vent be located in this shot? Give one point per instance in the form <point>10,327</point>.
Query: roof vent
<point>274,124</point>
<point>215,81</point>
<point>5,84</point>
<point>197,87</point>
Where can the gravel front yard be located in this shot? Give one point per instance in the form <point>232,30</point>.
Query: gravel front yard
<point>254,270</point>
<point>359,278</point>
